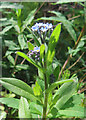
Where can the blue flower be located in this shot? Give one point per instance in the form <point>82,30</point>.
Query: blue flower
<point>50,26</point>
<point>35,28</point>
<point>36,49</point>
<point>42,26</point>
<point>43,29</point>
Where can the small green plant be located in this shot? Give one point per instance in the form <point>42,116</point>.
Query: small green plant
<point>46,98</point>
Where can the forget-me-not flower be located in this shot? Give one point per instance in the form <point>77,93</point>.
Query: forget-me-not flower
<point>42,29</point>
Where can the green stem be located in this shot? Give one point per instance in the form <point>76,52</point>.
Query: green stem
<point>45,95</point>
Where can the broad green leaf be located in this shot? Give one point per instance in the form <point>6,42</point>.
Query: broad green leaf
<point>50,56</point>
<point>55,84</point>
<point>5,30</point>
<point>64,93</point>
<point>54,37</point>
<point>10,5</point>
<point>67,1</point>
<point>30,46</point>
<point>35,38</point>
<point>37,89</point>
<point>76,111</point>
<point>28,20</point>
<point>21,41</point>
<point>41,83</point>
<point>36,108</point>
<point>19,87</point>
<point>29,59</point>
<point>11,59</point>
<point>42,48</point>
<point>52,44</point>
<point>24,110</point>
<point>75,100</point>
<point>40,74</point>
<point>10,102</point>
<point>2,115</point>
<point>74,107</point>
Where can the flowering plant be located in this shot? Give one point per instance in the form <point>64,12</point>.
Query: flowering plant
<point>44,99</point>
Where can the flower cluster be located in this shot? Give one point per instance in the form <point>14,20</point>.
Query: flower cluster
<point>35,54</point>
<point>42,30</point>
<point>42,27</point>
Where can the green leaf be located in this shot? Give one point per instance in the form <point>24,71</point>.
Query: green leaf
<point>64,93</point>
<point>76,111</point>
<point>10,5</point>
<point>29,59</point>
<point>34,36</point>
<point>40,74</point>
<point>37,89</point>
<point>42,48</point>
<point>41,83</point>
<point>50,56</point>
<point>67,1</point>
<point>11,59</point>
<point>30,46</point>
<point>75,100</point>
<point>36,108</point>
<point>19,87</point>
<point>10,102</point>
<point>52,44</point>
<point>20,67</point>
<point>21,41</point>
<point>28,20</point>
<point>24,111</point>
<point>55,84</point>
<point>18,13</point>
<point>74,107</point>
<point>5,30</point>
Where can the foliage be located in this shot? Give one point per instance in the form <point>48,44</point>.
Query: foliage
<point>55,91</point>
